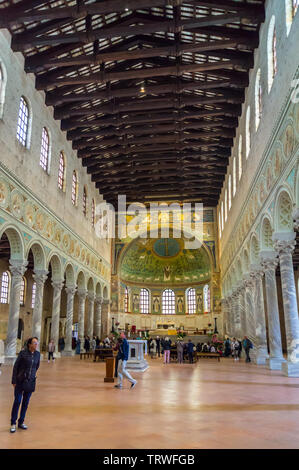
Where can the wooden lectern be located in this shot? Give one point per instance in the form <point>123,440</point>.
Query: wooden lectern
<point>110,364</point>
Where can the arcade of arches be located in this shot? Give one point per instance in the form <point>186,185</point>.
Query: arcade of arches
<point>175,102</point>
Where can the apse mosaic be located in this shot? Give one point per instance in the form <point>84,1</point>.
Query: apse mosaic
<point>164,260</point>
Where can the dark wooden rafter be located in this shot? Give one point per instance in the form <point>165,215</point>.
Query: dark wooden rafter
<point>149,91</point>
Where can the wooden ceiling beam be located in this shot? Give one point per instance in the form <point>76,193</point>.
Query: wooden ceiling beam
<point>170,116</point>
<point>171,50</point>
<point>89,152</point>
<point>15,16</point>
<point>157,138</point>
<point>168,101</point>
<point>95,165</point>
<point>145,130</point>
<point>54,98</point>
<point>149,72</point>
<point>22,43</point>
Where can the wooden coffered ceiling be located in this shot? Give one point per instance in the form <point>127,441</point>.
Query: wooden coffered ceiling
<point>149,91</point>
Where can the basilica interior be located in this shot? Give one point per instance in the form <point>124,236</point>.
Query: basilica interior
<point>170,103</point>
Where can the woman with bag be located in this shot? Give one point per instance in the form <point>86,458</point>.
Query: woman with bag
<point>23,381</point>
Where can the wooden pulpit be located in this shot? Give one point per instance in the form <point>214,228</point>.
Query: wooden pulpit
<point>110,364</point>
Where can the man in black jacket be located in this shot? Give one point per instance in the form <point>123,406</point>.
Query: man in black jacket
<point>23,380</point>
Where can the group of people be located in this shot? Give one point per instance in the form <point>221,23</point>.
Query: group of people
<point>234,348</point>
<point>158,346</point>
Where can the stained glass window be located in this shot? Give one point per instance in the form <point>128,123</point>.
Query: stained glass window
<point>168,302</point>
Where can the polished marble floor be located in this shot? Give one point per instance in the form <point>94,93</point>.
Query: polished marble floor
<point>205,405</point>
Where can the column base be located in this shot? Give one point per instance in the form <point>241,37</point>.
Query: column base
<point>139,365</point>
<point>9,360</point>
<point>68,353</point>
<point>57,355</point>
<point>290,369</point>
<point>275,363</point>
<point>261,358</point>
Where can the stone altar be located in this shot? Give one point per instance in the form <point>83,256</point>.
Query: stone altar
<point>136,359</point>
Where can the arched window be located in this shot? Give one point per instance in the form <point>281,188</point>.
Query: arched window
<point>22,292</point>
<point>234,177</point>
<point>240,156</point>
<point>45,150</point>
<point>191,300</point>
<point>225,205</point>
<point>258,99</point>
<point>272,53</point>
<point>126,300</point>
<point>74,188</point>
<point>248,136</point>
<point>93,213</point>
<point>168,302</point>
<point>84,201</point>
<point>4,288</point>
<point>206,299</point>
<point>33,295</point>
<point>61,172</point>
<point>229,192</point>
<point>23,122</point>
<point>144,301</point>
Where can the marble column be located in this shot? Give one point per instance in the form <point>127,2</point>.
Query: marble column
<point>98,317</point>
<point>236,323</point>
<point>57,287</point>
<point>40,277</point>
<point>269,264</point>
<point>242,291</point>
<point>90,315</point>
<point>260,319</point>
<point>17,270</point>
<point>250,317</point>
<point>284,244</point>
<point>82,293</point>
<point>70,292</point>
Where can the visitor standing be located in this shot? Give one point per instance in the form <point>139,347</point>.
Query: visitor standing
<point>180,351</point>
<point>247,345</point>
<point>235,349</point>
<point>227,347</point>
<point>166,347</point>
<point>51,350</point>
<point>86,344</point>
<point>158,342</point>
<point>190,349</point>
<point>23,381</point>
<point>122,363</point>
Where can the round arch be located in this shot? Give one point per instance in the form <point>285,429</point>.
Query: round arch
<point>98,289</point>
<point>266,232</point>
<point>105,292</point>
<point>69,273</point>
<point>90,286</point>
<point>81,281</point>
<point>55,262</point>
<point>16,243</point>
<point>283,209</point>
<point>254,249</point>
<point>39,256</point>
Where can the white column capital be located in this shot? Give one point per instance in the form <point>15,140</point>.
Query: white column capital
<point>284,242</point>
<point>17,267</point>
<point>91,296</point>
<point>58,285</point>
<point>99,300</point>
<point>71,290</point>
<point>40,275</point>
<point>82,293</point>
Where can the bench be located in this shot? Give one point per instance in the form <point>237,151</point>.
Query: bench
<point>207,354</point>
<point>84,355</point>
